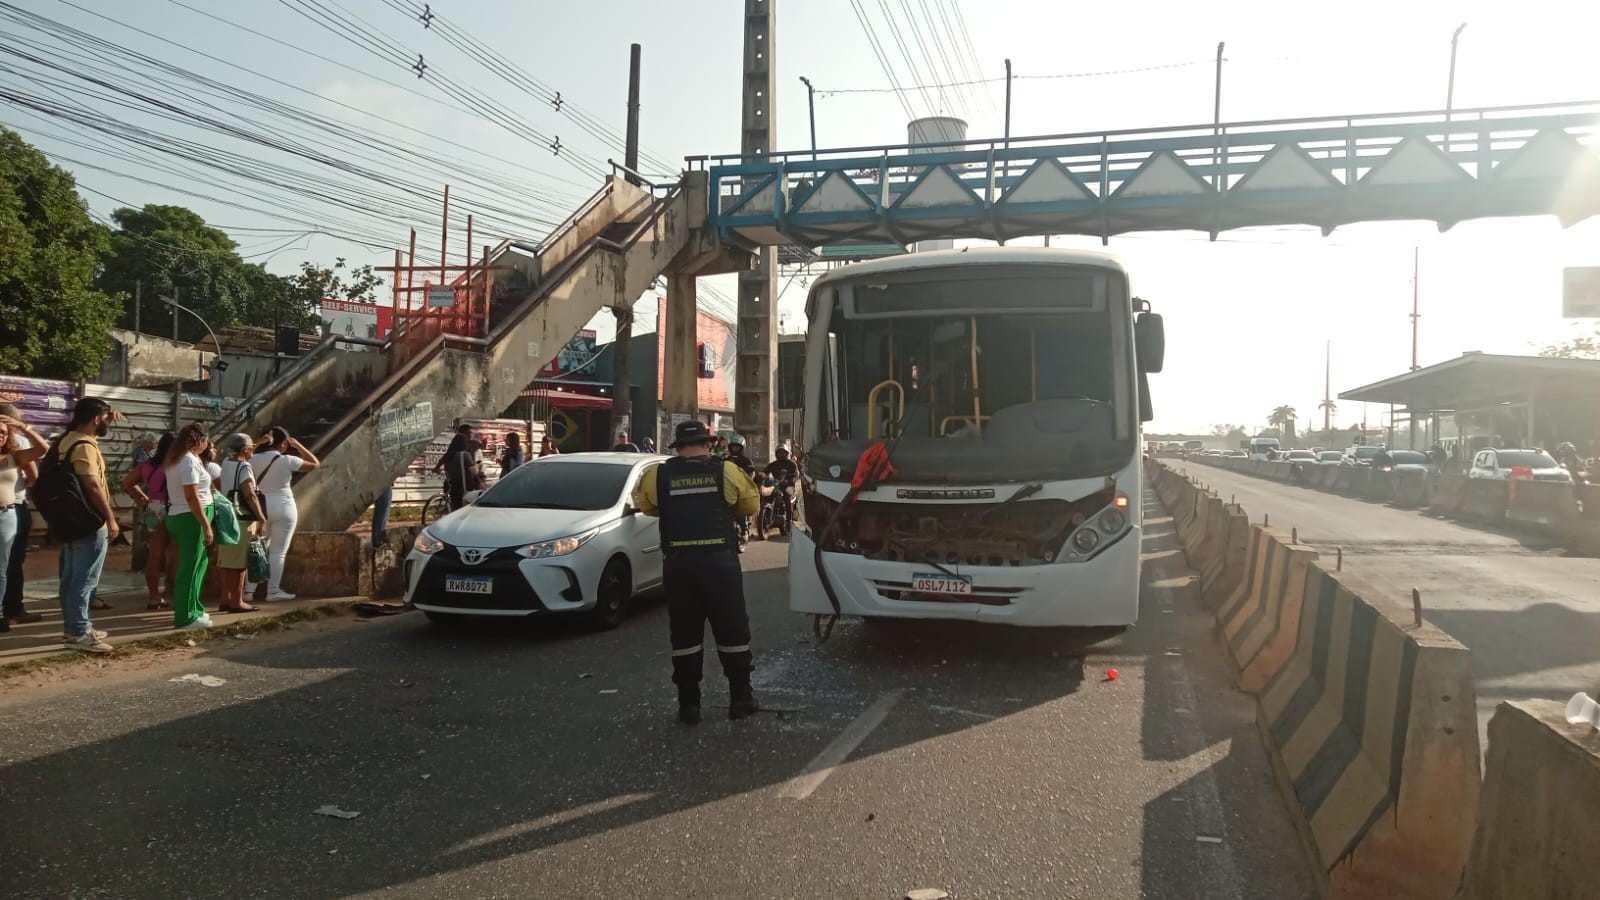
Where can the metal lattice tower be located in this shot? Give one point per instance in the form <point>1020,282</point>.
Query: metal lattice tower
<point>754,410</point>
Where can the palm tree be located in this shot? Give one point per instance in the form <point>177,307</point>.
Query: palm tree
<point>1284,417</point>
<point>1330,408</point>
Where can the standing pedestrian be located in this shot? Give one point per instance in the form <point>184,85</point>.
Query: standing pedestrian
<point>624,445</point>
<point>698,498</point>
<point>512,456</point>
<point>146,483</point>
<point>83,557</point>
<point>274,469</point>
<point>20,445</point>
<point>547,447</point>
<point>238,484</point>
<point>189,523</point>
<point>13,611</point>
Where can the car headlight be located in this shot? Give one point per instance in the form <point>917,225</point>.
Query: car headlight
<point>1112,521</point>
<point>427,543</point>
<point>558,547</point>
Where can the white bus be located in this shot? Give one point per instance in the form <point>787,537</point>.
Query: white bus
<point>1007,387</point>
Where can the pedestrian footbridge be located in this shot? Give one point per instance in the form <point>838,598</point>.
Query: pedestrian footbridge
<point>1436,166</point>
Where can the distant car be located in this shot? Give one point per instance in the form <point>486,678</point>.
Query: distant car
<point>1517,465</point>
<point>1212,453</point>
<point>1361,455</point>
<point>1236,454</point>
<point>1402,461</point>
<point>1300,462</point>
<point>1329,458</point>
<point>559,535</point>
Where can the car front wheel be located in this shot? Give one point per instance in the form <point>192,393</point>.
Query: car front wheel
<point>611,597</point>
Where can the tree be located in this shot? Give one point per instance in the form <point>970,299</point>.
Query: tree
<point>1283,417</point>
<point>305,291</point>
<point>1330,408</point>
<point>53,321</point>
<point>1231,432</point>
<point>1586,347</point>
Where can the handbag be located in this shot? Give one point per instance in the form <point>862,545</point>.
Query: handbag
<point>224,519</point>
<point>243,509</point>
<point>257,568</point>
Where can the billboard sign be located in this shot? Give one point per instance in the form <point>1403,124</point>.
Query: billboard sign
<point>353,319</point>
<point>1580,292</point>
<point>576,358</point>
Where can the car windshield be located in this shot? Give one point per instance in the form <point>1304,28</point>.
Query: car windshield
<point>1408,458</point>
<point>553,483</point>
<point>1330,456</point>
<point>1366,452</point>
<point>1301,454</point>
<point>1533,459</point>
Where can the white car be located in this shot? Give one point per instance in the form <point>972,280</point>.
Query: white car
<point>1517,465</point>
<point>558,535</point>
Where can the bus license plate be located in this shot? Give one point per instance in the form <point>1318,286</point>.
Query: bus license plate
<point>469,584</point>
<point>940,584</point>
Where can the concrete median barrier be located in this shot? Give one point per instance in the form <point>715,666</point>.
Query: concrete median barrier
<point>1358,482</point>
<point>1344,479</point>
<point>1219,583</point>
<point>1193,532</point>
<point>1582,532</point>
<point>1209,553</point>
<point>1538,822</point>
<point>1445,500</point>
<point>1541,505</point>
<point>1329,478</point>
<point>1410,489</point>
<point>1372,730</point>
<point>1485,500</point>
<point>1256,614</point>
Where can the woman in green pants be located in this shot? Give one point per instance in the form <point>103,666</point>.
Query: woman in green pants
<point>189,523</point>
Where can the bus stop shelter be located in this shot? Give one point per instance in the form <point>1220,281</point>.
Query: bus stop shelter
<point>1481,399</point>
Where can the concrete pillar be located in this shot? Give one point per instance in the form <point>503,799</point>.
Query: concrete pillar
<point>679,380</point>
<point>754,409</point>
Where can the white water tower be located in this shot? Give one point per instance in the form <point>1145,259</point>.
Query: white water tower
<point>946,132</point>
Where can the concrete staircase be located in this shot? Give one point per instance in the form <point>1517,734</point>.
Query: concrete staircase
<point>369,426</point>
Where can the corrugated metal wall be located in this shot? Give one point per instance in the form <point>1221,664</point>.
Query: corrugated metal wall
<point>46,405</point>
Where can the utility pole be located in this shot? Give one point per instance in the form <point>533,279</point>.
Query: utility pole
<point>1327,388</point>
<point>177,294</point>
<point>138,290</point>
<point>1216,118</point>
<point>811,107</point>
<point>1450,90</point>
<point>1008,104</point>
<point>1416,257</point>
<point>444,239</point>
<point>754,411</point>
<point>621,372</point>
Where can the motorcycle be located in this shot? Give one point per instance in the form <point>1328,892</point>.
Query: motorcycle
<point>777,506</point>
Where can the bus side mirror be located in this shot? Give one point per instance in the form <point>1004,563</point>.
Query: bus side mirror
<point>1150,342</point>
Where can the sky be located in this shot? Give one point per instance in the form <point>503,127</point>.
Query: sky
<point>1248,316</point>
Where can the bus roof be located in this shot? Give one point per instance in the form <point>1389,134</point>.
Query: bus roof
<point>973,256</point>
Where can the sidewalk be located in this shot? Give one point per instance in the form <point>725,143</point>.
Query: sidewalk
<point>126,621</point>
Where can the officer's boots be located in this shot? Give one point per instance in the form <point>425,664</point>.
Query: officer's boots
<point>741,699</point>
<point>689,704</point>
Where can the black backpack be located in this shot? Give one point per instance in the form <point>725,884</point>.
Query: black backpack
<point>59,497</point>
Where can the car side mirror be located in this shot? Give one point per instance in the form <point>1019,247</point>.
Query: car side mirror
<point>1150,342</point>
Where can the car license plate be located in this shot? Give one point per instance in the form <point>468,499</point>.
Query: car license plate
<point>940,584</point>
<point>469,584</point>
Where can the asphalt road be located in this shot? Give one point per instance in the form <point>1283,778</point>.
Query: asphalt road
<point>544,761</point>
<point>1528,611</point>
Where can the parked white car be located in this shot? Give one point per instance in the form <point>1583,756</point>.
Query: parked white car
<point>559,535</point>
<point>1509,465</point>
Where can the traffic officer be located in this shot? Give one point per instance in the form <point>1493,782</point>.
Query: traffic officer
<point>699,498</point>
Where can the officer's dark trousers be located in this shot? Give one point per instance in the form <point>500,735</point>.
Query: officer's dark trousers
<point>702,586</point>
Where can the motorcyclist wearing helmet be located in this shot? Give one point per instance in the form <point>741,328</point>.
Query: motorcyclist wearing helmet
<point>1567,456</point>
<point>736,455</point>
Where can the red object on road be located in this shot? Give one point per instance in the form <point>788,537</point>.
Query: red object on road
<point>1111,674</point>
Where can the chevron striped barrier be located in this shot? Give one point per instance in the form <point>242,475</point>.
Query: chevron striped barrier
<point>1211,537</point>
<point>1218,582</point>
<point>1372,730</point>
<point>1267,607</point>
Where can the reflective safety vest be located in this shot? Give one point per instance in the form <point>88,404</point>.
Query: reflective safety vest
<point>695,517</point>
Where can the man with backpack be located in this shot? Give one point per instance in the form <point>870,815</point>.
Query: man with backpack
<point>73,496</point>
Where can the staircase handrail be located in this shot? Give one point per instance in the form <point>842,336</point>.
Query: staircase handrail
<point>386,388</point>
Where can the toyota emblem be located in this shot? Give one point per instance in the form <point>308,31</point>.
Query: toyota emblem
<point>472,557</point>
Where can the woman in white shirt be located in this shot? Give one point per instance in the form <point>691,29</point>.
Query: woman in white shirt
<point>237,482</point>
<point>189,522</point>
<point>275,470</point>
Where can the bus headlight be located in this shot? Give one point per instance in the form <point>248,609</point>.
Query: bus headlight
<point>1086,539</point>
<point>1112,521</point>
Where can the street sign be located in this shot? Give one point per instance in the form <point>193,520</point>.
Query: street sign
<point>1580,292</point>
<point>441,296</point>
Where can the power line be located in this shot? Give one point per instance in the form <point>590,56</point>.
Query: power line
<point>933,70</point>
<point>905,56</point>
<point>962,51</point>
<point>883,59</point>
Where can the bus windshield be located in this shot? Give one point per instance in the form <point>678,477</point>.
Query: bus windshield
<point>982,372</point>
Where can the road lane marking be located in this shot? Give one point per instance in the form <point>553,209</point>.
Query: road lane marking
<point>833,755</point>
<point>548,821</point>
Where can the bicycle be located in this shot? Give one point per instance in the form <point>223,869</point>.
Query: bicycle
<point>437,507</point>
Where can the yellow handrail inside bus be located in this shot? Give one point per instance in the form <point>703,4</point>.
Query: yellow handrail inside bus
<point>897,405</point>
